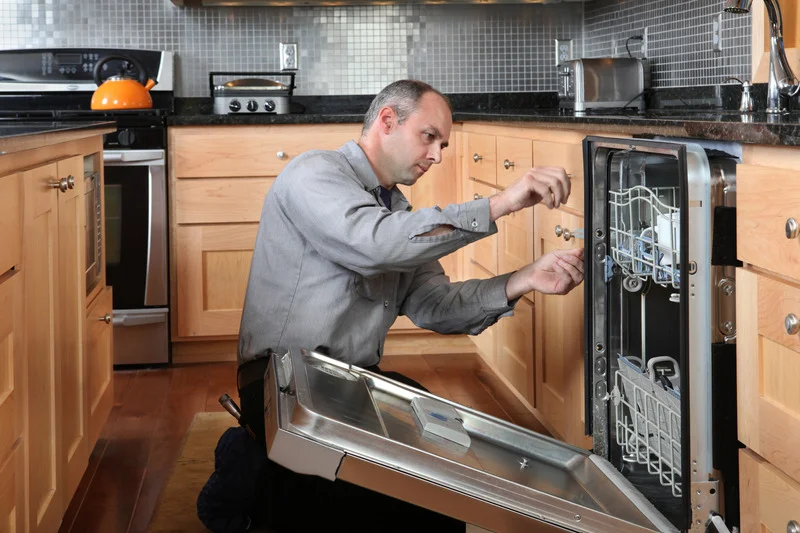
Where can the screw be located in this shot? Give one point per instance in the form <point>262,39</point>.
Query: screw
<point>577,518</point>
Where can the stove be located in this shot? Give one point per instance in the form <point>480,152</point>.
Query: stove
<point>56,85</point>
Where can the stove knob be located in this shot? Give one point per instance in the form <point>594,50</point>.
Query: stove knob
<point>235,106</point>
<point>269,105</point>
<point>252,106</point>
<point>126,138</point>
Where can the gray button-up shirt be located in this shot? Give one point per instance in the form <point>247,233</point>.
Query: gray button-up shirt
<point>334,267</point>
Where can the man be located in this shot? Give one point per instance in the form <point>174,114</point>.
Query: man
<point>339,255</point>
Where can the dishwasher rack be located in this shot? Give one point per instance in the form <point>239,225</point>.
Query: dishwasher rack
<point>645,233</point>
<point>648,420</point>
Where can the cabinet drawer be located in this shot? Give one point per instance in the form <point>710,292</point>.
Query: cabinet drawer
<point>515,355</point>
<point>486,342</point>
<point>241,151</point>
<point>10,222</point>
<point>569,156</point>
<point>482,154</point>
<point>768,363</point>
<point>514,158</point>
<point>769,500</point>
<point>484,251</point>
<point>207,201</point>
<point>768,199</point>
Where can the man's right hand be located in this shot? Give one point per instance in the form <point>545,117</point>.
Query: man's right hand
<point>549,185</point>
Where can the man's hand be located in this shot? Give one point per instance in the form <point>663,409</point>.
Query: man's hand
<point>558,272</point>
<point>549,185</point>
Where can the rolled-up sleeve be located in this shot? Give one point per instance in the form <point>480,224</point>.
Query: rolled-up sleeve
<point>434,302</point>
<point>344,224</point>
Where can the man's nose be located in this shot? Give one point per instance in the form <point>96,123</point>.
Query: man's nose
<point>435,154</point>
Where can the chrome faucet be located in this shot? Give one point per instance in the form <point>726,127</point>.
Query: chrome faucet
<point>781,77</point>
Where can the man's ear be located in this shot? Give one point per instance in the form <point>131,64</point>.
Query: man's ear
<point>387,119</point>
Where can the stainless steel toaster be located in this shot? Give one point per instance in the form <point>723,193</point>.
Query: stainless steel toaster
<point>602,83</point>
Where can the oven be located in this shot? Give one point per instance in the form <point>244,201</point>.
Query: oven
<point>126,200</point>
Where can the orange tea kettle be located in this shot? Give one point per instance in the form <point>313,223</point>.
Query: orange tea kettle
<point>122,91</point>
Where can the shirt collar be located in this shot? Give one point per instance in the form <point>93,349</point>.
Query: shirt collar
<point>358,160</point>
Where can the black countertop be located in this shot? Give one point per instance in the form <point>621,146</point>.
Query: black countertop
<point>13,128</point>
<point>697,112</point>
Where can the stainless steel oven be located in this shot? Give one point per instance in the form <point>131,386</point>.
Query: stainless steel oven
<point>136,253</point>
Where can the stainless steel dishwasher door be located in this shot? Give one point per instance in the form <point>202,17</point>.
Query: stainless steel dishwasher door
<point>333,420</point>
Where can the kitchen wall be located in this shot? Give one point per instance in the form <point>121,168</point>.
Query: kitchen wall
<point>357,50</point>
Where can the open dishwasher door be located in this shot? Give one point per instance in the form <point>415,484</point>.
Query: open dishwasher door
<point>337,421</point>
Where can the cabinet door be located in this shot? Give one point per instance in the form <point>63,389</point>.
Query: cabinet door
<point>569,156</point>
<point>484,251</point>
<point>10,220</point>
<point>40,271</point>
<point>99,364</point>
<point>213,267</point>
<point>770,501</point>
<point>559,338</point>
<point>515,359</point>
<point>768,363</point>
<point>482,153</point>
<point>70,316</point>
<point>515,242</point>
<point>514,158</point>
<point>12,495</point>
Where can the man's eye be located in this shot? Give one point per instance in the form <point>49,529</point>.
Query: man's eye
<point>428,136</point>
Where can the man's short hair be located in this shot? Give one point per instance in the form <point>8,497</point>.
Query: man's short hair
<point>403,96</point>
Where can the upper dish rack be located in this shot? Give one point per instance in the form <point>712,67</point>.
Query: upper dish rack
<point>645,233</point>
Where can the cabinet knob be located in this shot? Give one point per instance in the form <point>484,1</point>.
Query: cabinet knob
<point>508,164</point>
<point>477,158</point>
<point>559,231</point>
<point>62,184</point>
<point>106,318</point>
<point>570,176</point>
<point>792,229</point>
<point>792,527</point>
<point>281,155</point>
<point>71,181</point>
<point>477,196</point>
<point>792,324</point>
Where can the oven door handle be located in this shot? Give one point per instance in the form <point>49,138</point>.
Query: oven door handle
<point>132,156</point>
<point>155,285</point>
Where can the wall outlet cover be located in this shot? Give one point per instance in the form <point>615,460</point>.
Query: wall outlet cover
<point>563,50</point>
<point>288,56</point>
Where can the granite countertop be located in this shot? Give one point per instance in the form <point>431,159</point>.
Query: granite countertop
<point>704,113</point>
<point>13,128</point>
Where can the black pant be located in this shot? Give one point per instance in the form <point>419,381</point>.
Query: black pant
<point>302,503</point>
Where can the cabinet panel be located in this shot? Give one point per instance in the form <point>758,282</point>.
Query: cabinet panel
<point>515,242</point>
<point>40,267</point>
<point>568,156</point>
<point>255,151</point>
<point>481,150</point>
<point>213,267</point>
<point>12,386</point>
<point>484,251</point>
<point>10,222</point>
<point>514,158</point>
<point>99,364</point>
<point>12,496</point>
<point>70,312</point>
<point>486,342</point>
<point>220,200</point>
<point>769,499</point>
<point>767,199</point>
<point>768,359</point>
<point>515,355</point>
<point>559,338</point>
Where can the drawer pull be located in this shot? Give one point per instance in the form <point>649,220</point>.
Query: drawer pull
<point>792,527</point>
<point>792,324</point>
<point>281,155</point>
<point>792,230</point>
<point>107,318</point>
<point>477,196</point>
<point>71,181</point>
<point>568,234</point>
<point>508,164</point>
<point>62,184</point>
<point>477,158</point>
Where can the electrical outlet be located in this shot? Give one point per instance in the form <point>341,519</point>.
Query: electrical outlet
<point>289,59</point>
<point>644,42</point>
<point>563,50</point>
<point>716,32</point>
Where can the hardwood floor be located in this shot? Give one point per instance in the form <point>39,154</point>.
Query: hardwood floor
<point>154,408</point>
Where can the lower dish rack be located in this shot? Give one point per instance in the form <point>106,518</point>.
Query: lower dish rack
<point>648,419</point>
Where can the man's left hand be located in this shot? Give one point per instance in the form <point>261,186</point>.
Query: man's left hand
<point>558,272</point>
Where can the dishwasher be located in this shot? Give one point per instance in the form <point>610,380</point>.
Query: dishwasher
<point>660,378</point>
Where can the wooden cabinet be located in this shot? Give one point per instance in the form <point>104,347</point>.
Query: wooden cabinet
<point>559,338</point>
<point>481,151</point>
<point>567,153</point>
<point>770,500</point>
<point>44,412</point>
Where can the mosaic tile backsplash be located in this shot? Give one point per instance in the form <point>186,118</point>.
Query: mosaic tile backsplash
<point>358,50</point>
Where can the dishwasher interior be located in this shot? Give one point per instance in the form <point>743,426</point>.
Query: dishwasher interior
<point>658,317</point>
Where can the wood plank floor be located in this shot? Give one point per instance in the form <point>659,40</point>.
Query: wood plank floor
<point>154,408</point>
